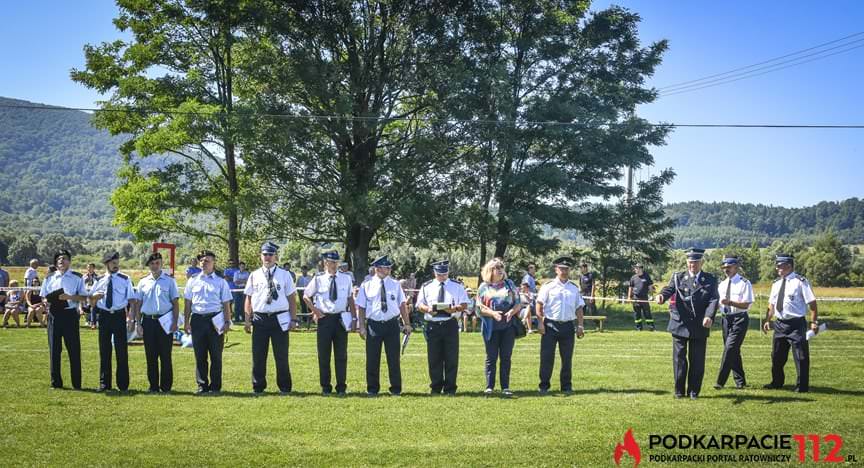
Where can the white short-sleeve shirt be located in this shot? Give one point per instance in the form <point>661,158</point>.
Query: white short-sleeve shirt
<point>560,300</point>
<point>258,288</point>
<point>796,296</point>
<point>369,298</point>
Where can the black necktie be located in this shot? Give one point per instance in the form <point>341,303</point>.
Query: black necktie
<point>728,296</point>
<point>780,295</point>
<point>109,295</point>
<point>271,286</point>
<point>333,295</point>
<point>383,297</point>
<point>441,294</point>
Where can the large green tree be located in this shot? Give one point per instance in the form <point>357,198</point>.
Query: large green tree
<point>367,157</point>
<point>556,88</point>
<point>170,89</point>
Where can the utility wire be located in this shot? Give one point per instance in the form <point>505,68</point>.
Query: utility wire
<point>426,119</point>
<point>753,73</point>
<point>717,75</point>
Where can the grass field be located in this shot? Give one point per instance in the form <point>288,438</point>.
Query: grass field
<point>623,379</point>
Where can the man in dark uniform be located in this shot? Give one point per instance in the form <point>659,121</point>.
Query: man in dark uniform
<point>736,295</point>
<point>791,296</point>
<point>641,285</point>
<point>586,288</point>
<point>110,296</point>
<point>63,290</point>
<point>691,313</point>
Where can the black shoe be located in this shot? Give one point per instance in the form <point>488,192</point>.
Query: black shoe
<point>800,390</point>
<point>740,386</point>
<point>202,391</point>
<point>371,394</point>
<point>638,328</point>
<point>341,394</point>
<point>568,392</point>
<point>717,386</point>
<point>215,392</point>
<point>771,386</point>
<point>694,396</point>
<point>543,391</point>
<point>257,392</point>
<point>102,388</point>
<point>152,390</point>
<point>124,391</point>
<point>326,392</point>
<point>395,393</point>
<point>678,396</point>
<point>284,392</point>
<point>450,393</point>
<point>652,328</point>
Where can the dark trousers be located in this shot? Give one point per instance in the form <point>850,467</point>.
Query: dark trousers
<point>688,364</point>
<point>386,333</point>
<point>239,306</point>
<point>442,350</point>
<point>63,328</point>
<point>591,306</point>
<point>332,337</point>
<point>157,349</point>
<point>266,331</point>
<point>207,342</point>
<point>500,345</point>
<point>113,325</point>
<point>790,334</point>
<point>642,313</point>
<point>562,334</point>
<point>734,331</point>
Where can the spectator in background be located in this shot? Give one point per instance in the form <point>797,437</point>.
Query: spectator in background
<point>4,283</point>
<point>370,275</point>
<point>239,279</point>
<point>530,278</point>
<point>641,286</point>
<point>90,278</point>
<point>470,314</point>
<point>586,288</point>
<point>13,306</point>
<point>527,313</point>
<point>343,267</point>
<point>236,299</point>
<point>31,273</point>
<point>302,282</point>
<point>287,267</point>
<point>193,269</point>
<point>35,306</point>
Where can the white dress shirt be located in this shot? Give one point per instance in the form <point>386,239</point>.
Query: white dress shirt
<point>157,294</point>
<point>454,294</point>
<point>369,298</point>
<point>258,288</point>
<point>796,296</point>
<point>319,291</point>
<point>123,291</point>
<point>71,283</point>
<point>560,300</point>
<point>207,293</point>
<point>741,291</point>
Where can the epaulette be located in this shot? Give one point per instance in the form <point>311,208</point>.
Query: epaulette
<point>76,274</point>
<point>121,275</point>
<point>778,279</point>
<point>803,279</point>
<point>426,283</point>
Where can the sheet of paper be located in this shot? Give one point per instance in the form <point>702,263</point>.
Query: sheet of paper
<point>219,322</point>
<point>284,320</point>
<point>347,317</point>
<point>810,334</point>
<point>405,342</point>
<point>166,321</point>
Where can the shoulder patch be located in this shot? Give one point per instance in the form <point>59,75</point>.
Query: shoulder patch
<point>778,279</point>
<point>427,283</point>
<point>803,279</point>
<point>76,274</point>
<point>121,275</point>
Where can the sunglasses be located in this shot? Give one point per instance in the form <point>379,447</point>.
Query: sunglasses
<point>267,254</point>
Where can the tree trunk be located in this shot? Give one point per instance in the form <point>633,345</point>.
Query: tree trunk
<point>357,247</point>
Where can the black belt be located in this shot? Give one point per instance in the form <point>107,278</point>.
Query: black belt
<point>154,316</point>
<point>111,311</point>
<point>335,313</point>
<point>791,320</point>
<point>271,313</point>
<point>440,322</point>
<point>735,314</point>
<point>385,321</point>
<point>208,314</point>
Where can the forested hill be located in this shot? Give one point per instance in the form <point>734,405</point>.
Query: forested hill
<point>703,224</point>
<point>57,172</point>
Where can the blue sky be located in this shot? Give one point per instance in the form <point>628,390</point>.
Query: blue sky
<point>43,41</point>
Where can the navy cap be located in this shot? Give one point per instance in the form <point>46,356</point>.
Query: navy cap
<point>782,258</point>
<point>269,247</point>
<point>152,257</point>
<point>108,256</point>
<point>637,265</point>
<point>566,262</point>
<point>441,267</point>
<point>695,254</point>
<point>332,256</point>
<point>728,260</point>
<point>205,253</point>
<point>382,261</point>
<point>64,253</point>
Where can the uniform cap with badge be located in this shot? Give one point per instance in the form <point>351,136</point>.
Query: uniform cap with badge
<point>783,258</point>
<point>730,260</point>
<point>109,256</point>
<point>331,256</point>
<point>564,262</point>
<point>62,253</point>
<point>269,248</point>
<point>694,254</point>
<point>205,253</point>
<point>382,262</point>
<point>153,257</point>
<point>441,267</point>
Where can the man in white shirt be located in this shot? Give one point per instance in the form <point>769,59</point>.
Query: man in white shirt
<point>270,294</point>
<point>158,296</point>
<point>329,298</point>
<point>111,294</point>
<point>63,290</point>
<point>559,320</point>
<point>442,300</point>
<point>380,303</point>
<point>791,295</point>
<point>736,296</point>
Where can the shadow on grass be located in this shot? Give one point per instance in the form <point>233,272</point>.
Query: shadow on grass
<point>738,398</point>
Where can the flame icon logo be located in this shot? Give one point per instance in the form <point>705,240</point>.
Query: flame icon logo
<point>631,447</point>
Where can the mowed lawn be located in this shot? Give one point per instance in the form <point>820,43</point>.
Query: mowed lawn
<point>623,379</point>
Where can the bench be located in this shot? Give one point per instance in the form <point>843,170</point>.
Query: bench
<point>598,319</point>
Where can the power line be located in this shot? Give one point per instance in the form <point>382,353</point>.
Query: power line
<point>751,74</point>
<point>427,119</point>
<point>716,75</point>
